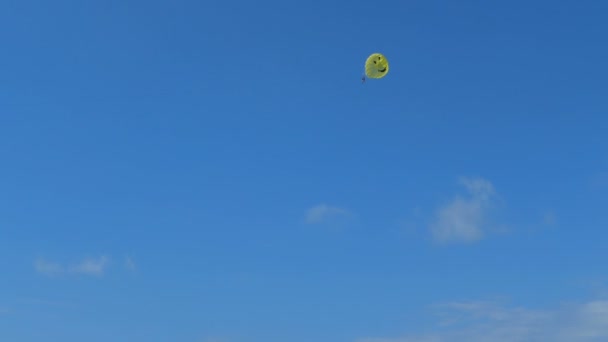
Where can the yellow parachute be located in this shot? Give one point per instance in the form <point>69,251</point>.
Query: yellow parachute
<point>376,66</point>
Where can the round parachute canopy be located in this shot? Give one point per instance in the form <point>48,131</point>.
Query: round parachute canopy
<point>376,66</point>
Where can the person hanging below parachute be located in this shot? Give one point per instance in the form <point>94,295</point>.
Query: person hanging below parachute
<point>376,66</point>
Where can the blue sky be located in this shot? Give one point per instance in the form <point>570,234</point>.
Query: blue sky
<point>206,171</point>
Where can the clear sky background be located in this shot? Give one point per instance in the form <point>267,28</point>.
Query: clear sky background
<point>206,171</point>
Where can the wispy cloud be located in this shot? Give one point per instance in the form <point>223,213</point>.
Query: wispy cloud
<point>130,263</point>
<point>214,339</point>
<point>463,219</point>
<point>88,266</point>
<point>549,218</point>
<point>91,266</point>
<point>48,267</point>
<point>324,213</point>
<point>59,303</point>
<point>600,180</point>
<point>486,321</point>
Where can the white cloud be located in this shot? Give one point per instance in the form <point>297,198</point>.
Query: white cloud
<point>94,267</point>
<point>324,213</point>
<point>464,219</point>
<point>89,266</point>
<point>490,322</point>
